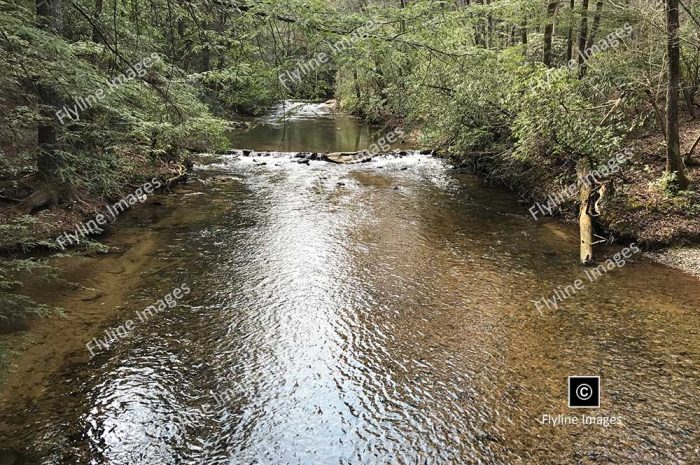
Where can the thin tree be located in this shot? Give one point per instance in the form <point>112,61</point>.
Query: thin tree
<point>570,36</point>
<point>582,38</point>
<point>674,161</point>
<point>548,30</point>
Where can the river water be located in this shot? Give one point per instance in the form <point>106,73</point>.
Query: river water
<point>378,313</point>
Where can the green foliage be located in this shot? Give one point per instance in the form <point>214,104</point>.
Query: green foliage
<point>23,230</point>
<point>246,88</point>
<point>554,122</point>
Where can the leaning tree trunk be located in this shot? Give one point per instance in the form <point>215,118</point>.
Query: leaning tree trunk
<point>596,21</point>
<point>674,161</point>
<point>585,221</point>
<point>591,36</point>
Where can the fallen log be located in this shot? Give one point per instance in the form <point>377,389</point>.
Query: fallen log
<point>348,157</point>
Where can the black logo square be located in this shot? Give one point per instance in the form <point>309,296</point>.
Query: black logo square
<point>584,391</point>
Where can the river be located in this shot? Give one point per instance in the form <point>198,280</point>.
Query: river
<point>377,313</point>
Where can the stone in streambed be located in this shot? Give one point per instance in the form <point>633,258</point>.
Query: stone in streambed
<point>348,157</point>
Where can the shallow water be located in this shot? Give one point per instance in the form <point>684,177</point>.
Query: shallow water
<point>371,314</point>
<point>299,126</point>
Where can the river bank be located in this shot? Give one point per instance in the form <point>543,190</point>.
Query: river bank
<point>636,206</point>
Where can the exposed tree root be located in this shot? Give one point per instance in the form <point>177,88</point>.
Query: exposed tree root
<point>40,199</point>
<point>180,176</point>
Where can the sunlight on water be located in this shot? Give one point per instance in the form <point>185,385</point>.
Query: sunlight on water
<point>373,313</point>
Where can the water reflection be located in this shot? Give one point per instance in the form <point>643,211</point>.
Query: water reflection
<point>297,126</point>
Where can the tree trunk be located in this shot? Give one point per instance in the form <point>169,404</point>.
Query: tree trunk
<point>596,21</point>
<point>585,221</point>
<point>49,19</point>
<point>548,30</point>
<point>688,96</point>
<point>479,32</point>
<point>582,37</point>
<point>98,12</point>
<point>570,37</point>
<point>674,161</point>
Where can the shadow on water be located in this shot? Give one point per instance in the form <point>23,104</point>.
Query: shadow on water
<point>373,313</point>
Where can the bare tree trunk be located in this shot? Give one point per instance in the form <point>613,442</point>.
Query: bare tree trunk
<point>479,38</point>
<point>570,37</point>
<point>582,37</point>
<point>674,161</point>
<point>585,221</point>
<point>596,21</point>
<point>98,12</point>
<point>548,30</point>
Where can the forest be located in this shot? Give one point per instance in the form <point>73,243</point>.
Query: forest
<point>587,112</point>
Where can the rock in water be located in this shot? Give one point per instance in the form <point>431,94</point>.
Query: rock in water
<point>348,157</point>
